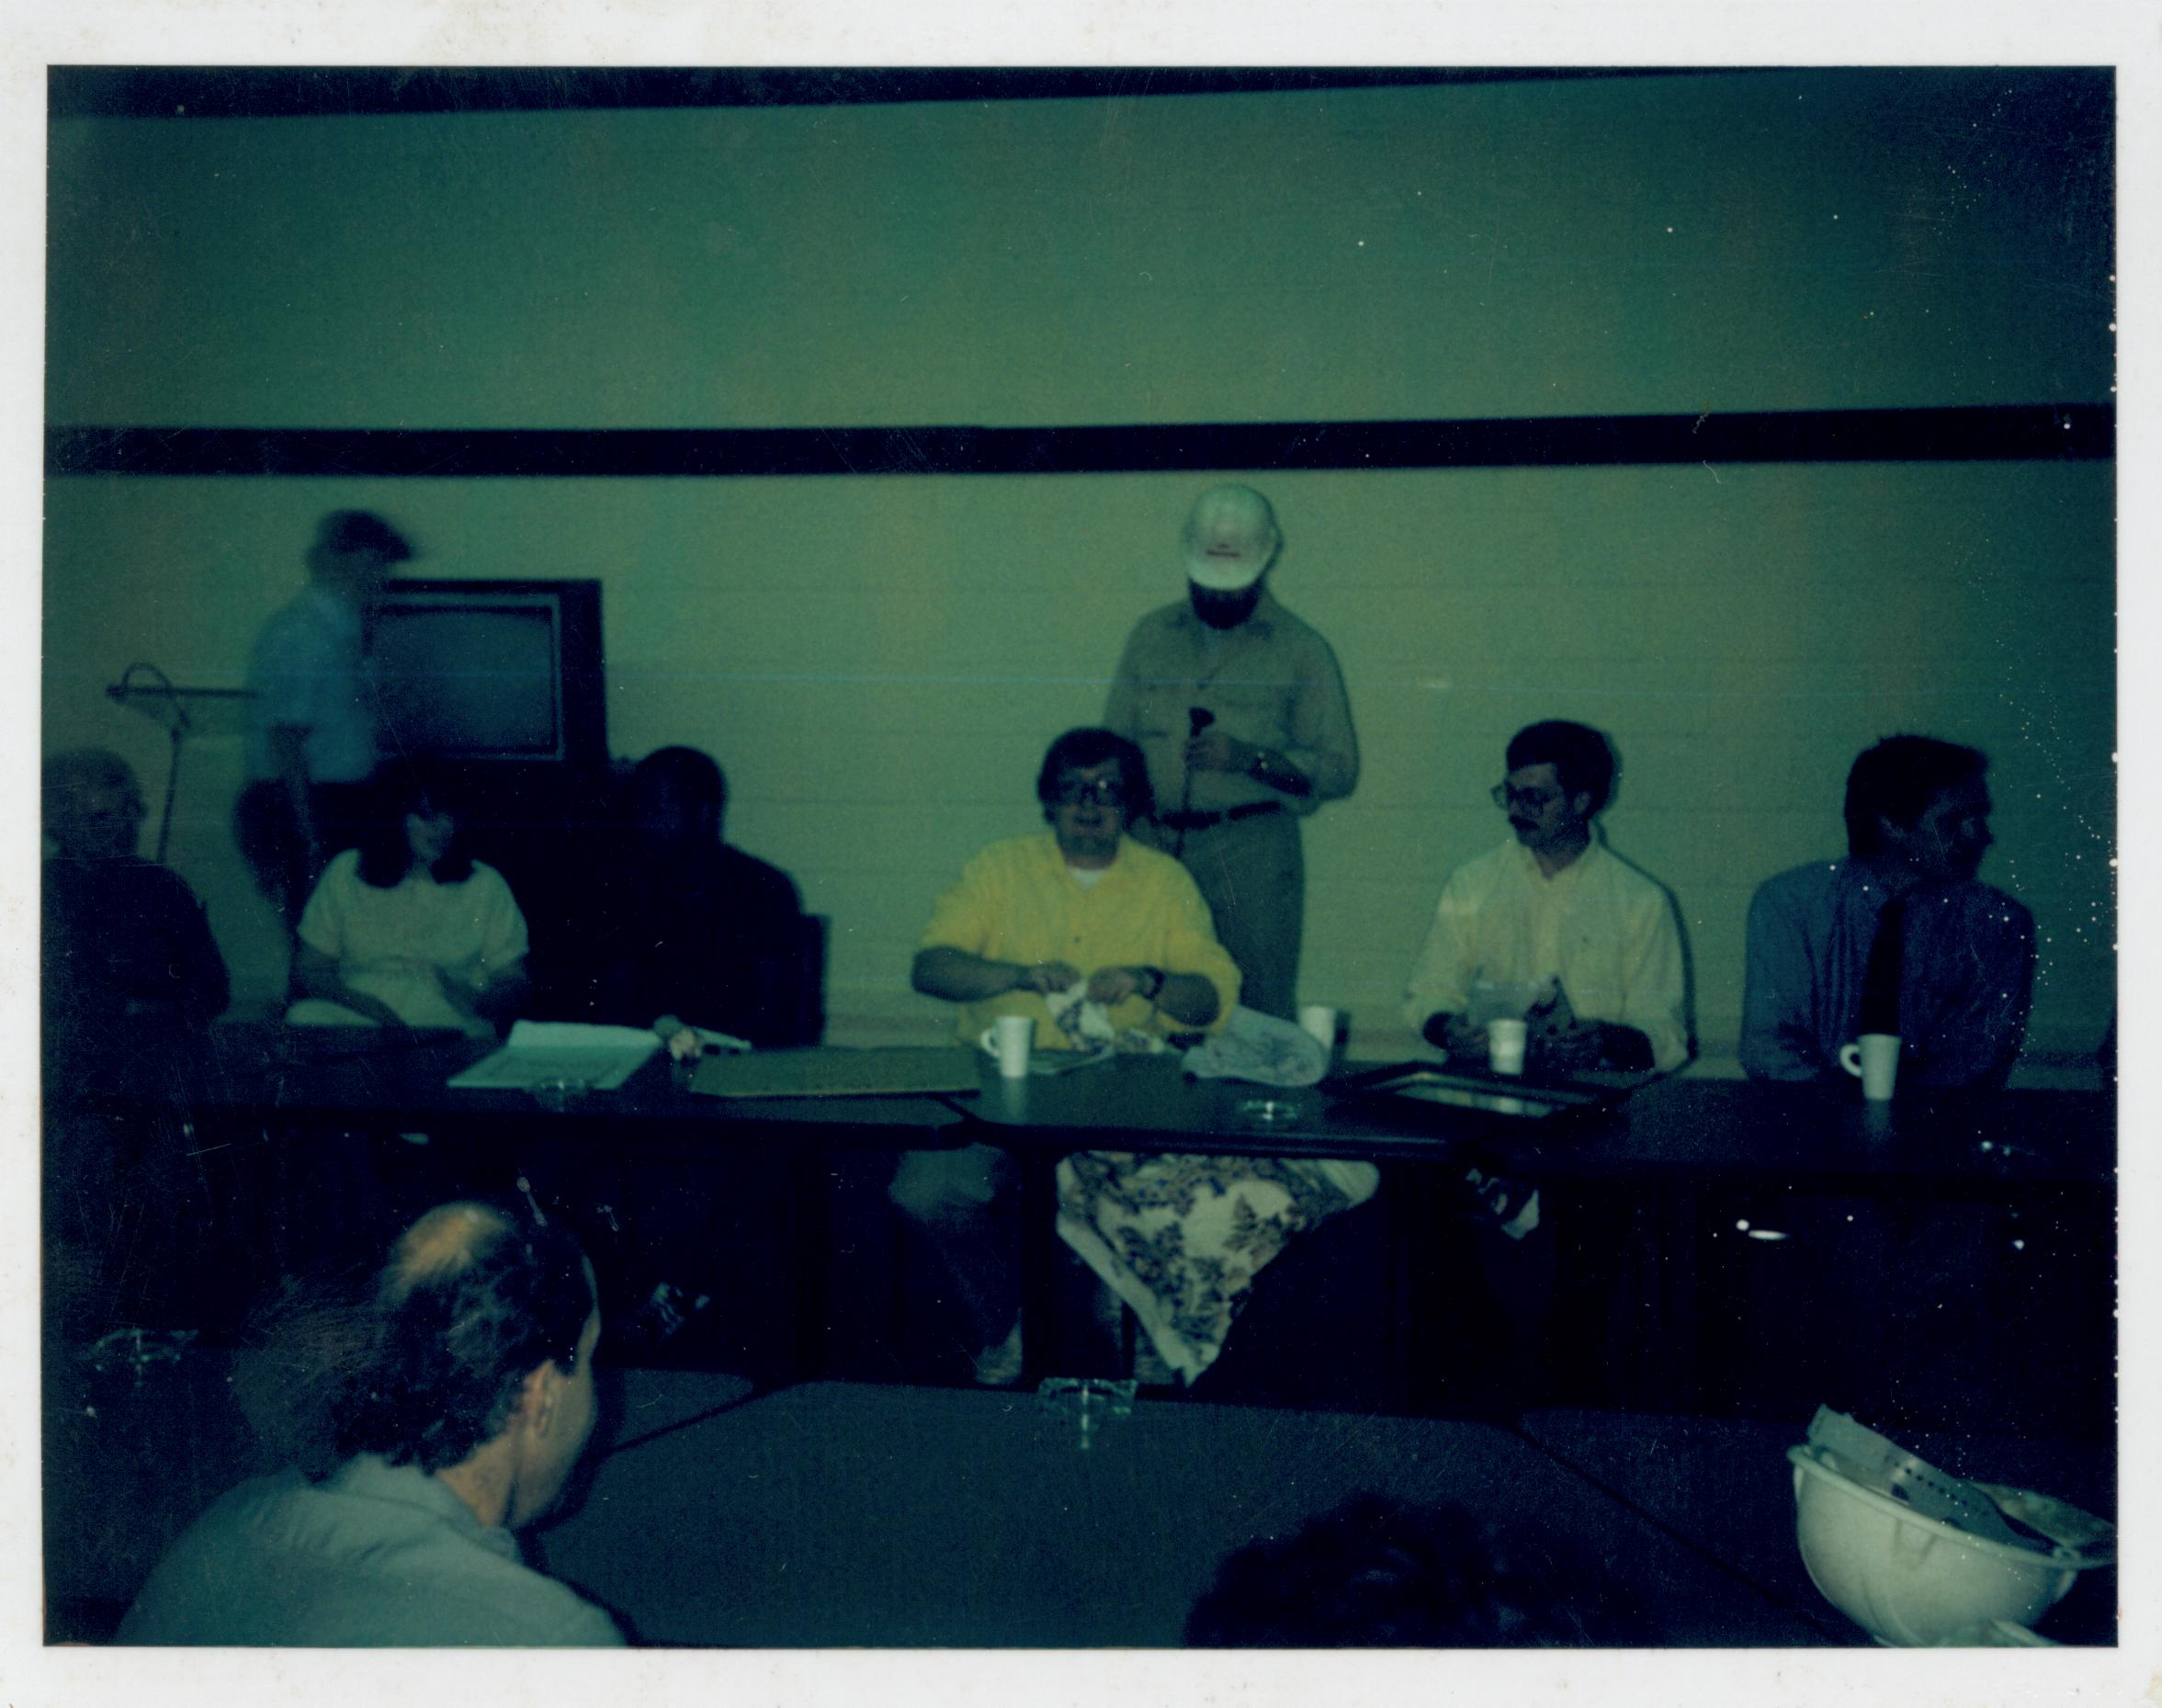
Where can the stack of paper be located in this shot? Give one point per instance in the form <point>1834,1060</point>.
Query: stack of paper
<point>560,1052</point>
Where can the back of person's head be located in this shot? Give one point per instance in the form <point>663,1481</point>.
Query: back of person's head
<point>1897,779</point>
<point>678,792</point>
<point>474,1299</point>
<point>90,802</point>
<point>1583,760</point>
<point>1377,1572</point>
<point>420,788</point>
<point>1083,749</point>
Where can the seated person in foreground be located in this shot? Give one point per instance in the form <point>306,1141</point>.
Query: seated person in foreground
<point>1552,927</point>
<point>1899,937</point>
<point>698,928</point>
<point>408,929</point>
<point>1085,922</point>
<point>123,938</point>
<point>471,1401</point>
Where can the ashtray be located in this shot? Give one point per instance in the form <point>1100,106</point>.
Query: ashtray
<point>1089,1400</point>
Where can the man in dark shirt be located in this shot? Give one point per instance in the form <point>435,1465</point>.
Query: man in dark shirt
<point>124,939</point>
<point>699,930</point>
<point>126,951</point>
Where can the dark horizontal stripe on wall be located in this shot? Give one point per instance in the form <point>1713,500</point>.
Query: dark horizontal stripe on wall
<point>320,91</point>
<point>2048,431</point>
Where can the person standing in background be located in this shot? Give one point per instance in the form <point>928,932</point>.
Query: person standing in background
<point>312,728</point>
<point>1240,710</point>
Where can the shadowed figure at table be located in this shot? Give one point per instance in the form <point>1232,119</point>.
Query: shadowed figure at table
<point>1100,942</point>
<point>693,927</point>
<point>124,939</point>
<point>126,954</point>
<point>459,1397</point>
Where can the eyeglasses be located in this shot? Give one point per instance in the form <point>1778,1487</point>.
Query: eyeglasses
<point>1531,800</point>
<point>1102,792</point>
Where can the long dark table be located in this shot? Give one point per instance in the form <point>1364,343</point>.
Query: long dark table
<point>846,1514</point>
<point>326,1077</point>
<point>1699,1222</point>
<point>1983,1145</point>
<point>1689,1199</point>
<point>1978,1145</point>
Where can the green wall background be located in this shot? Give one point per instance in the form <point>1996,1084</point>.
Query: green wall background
<point>879,661</point>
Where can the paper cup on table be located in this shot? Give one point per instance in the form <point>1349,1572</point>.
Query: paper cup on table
<point>1505,1045</point>
<point>1317,1021</point>
<point>1873,1058</point>
<point>1009,1038</point>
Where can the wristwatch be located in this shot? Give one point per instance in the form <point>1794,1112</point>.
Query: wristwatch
<point>1152,983</point>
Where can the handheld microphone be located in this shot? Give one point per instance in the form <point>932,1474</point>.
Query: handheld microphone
<point>1198,718</point>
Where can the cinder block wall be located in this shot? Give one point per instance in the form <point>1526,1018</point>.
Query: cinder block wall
<point>879,661</point>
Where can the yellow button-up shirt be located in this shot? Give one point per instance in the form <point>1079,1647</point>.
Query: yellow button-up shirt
<point>1019,901</point>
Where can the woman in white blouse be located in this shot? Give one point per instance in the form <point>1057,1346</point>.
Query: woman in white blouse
<point>408,929</point>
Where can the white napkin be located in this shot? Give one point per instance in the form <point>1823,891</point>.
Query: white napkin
<point>1261,1049</point>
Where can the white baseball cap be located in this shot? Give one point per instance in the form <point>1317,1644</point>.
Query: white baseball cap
<point>1231,537</point>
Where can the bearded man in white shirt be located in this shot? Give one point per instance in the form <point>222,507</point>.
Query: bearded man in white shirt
<point>1553,927</point>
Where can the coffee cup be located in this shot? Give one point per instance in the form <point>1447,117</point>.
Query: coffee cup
<point>1317,1021</point>
<point>1505,1045</point>
<point>1873,1058</point>
<point>1008,1038</point>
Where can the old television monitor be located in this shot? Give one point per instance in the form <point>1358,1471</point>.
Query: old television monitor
<point>505,671</point>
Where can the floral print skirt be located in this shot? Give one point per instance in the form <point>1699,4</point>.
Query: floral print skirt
<point>1181,1239</point>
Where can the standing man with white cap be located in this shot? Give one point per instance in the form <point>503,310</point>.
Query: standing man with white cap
<point>1239,710</point>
